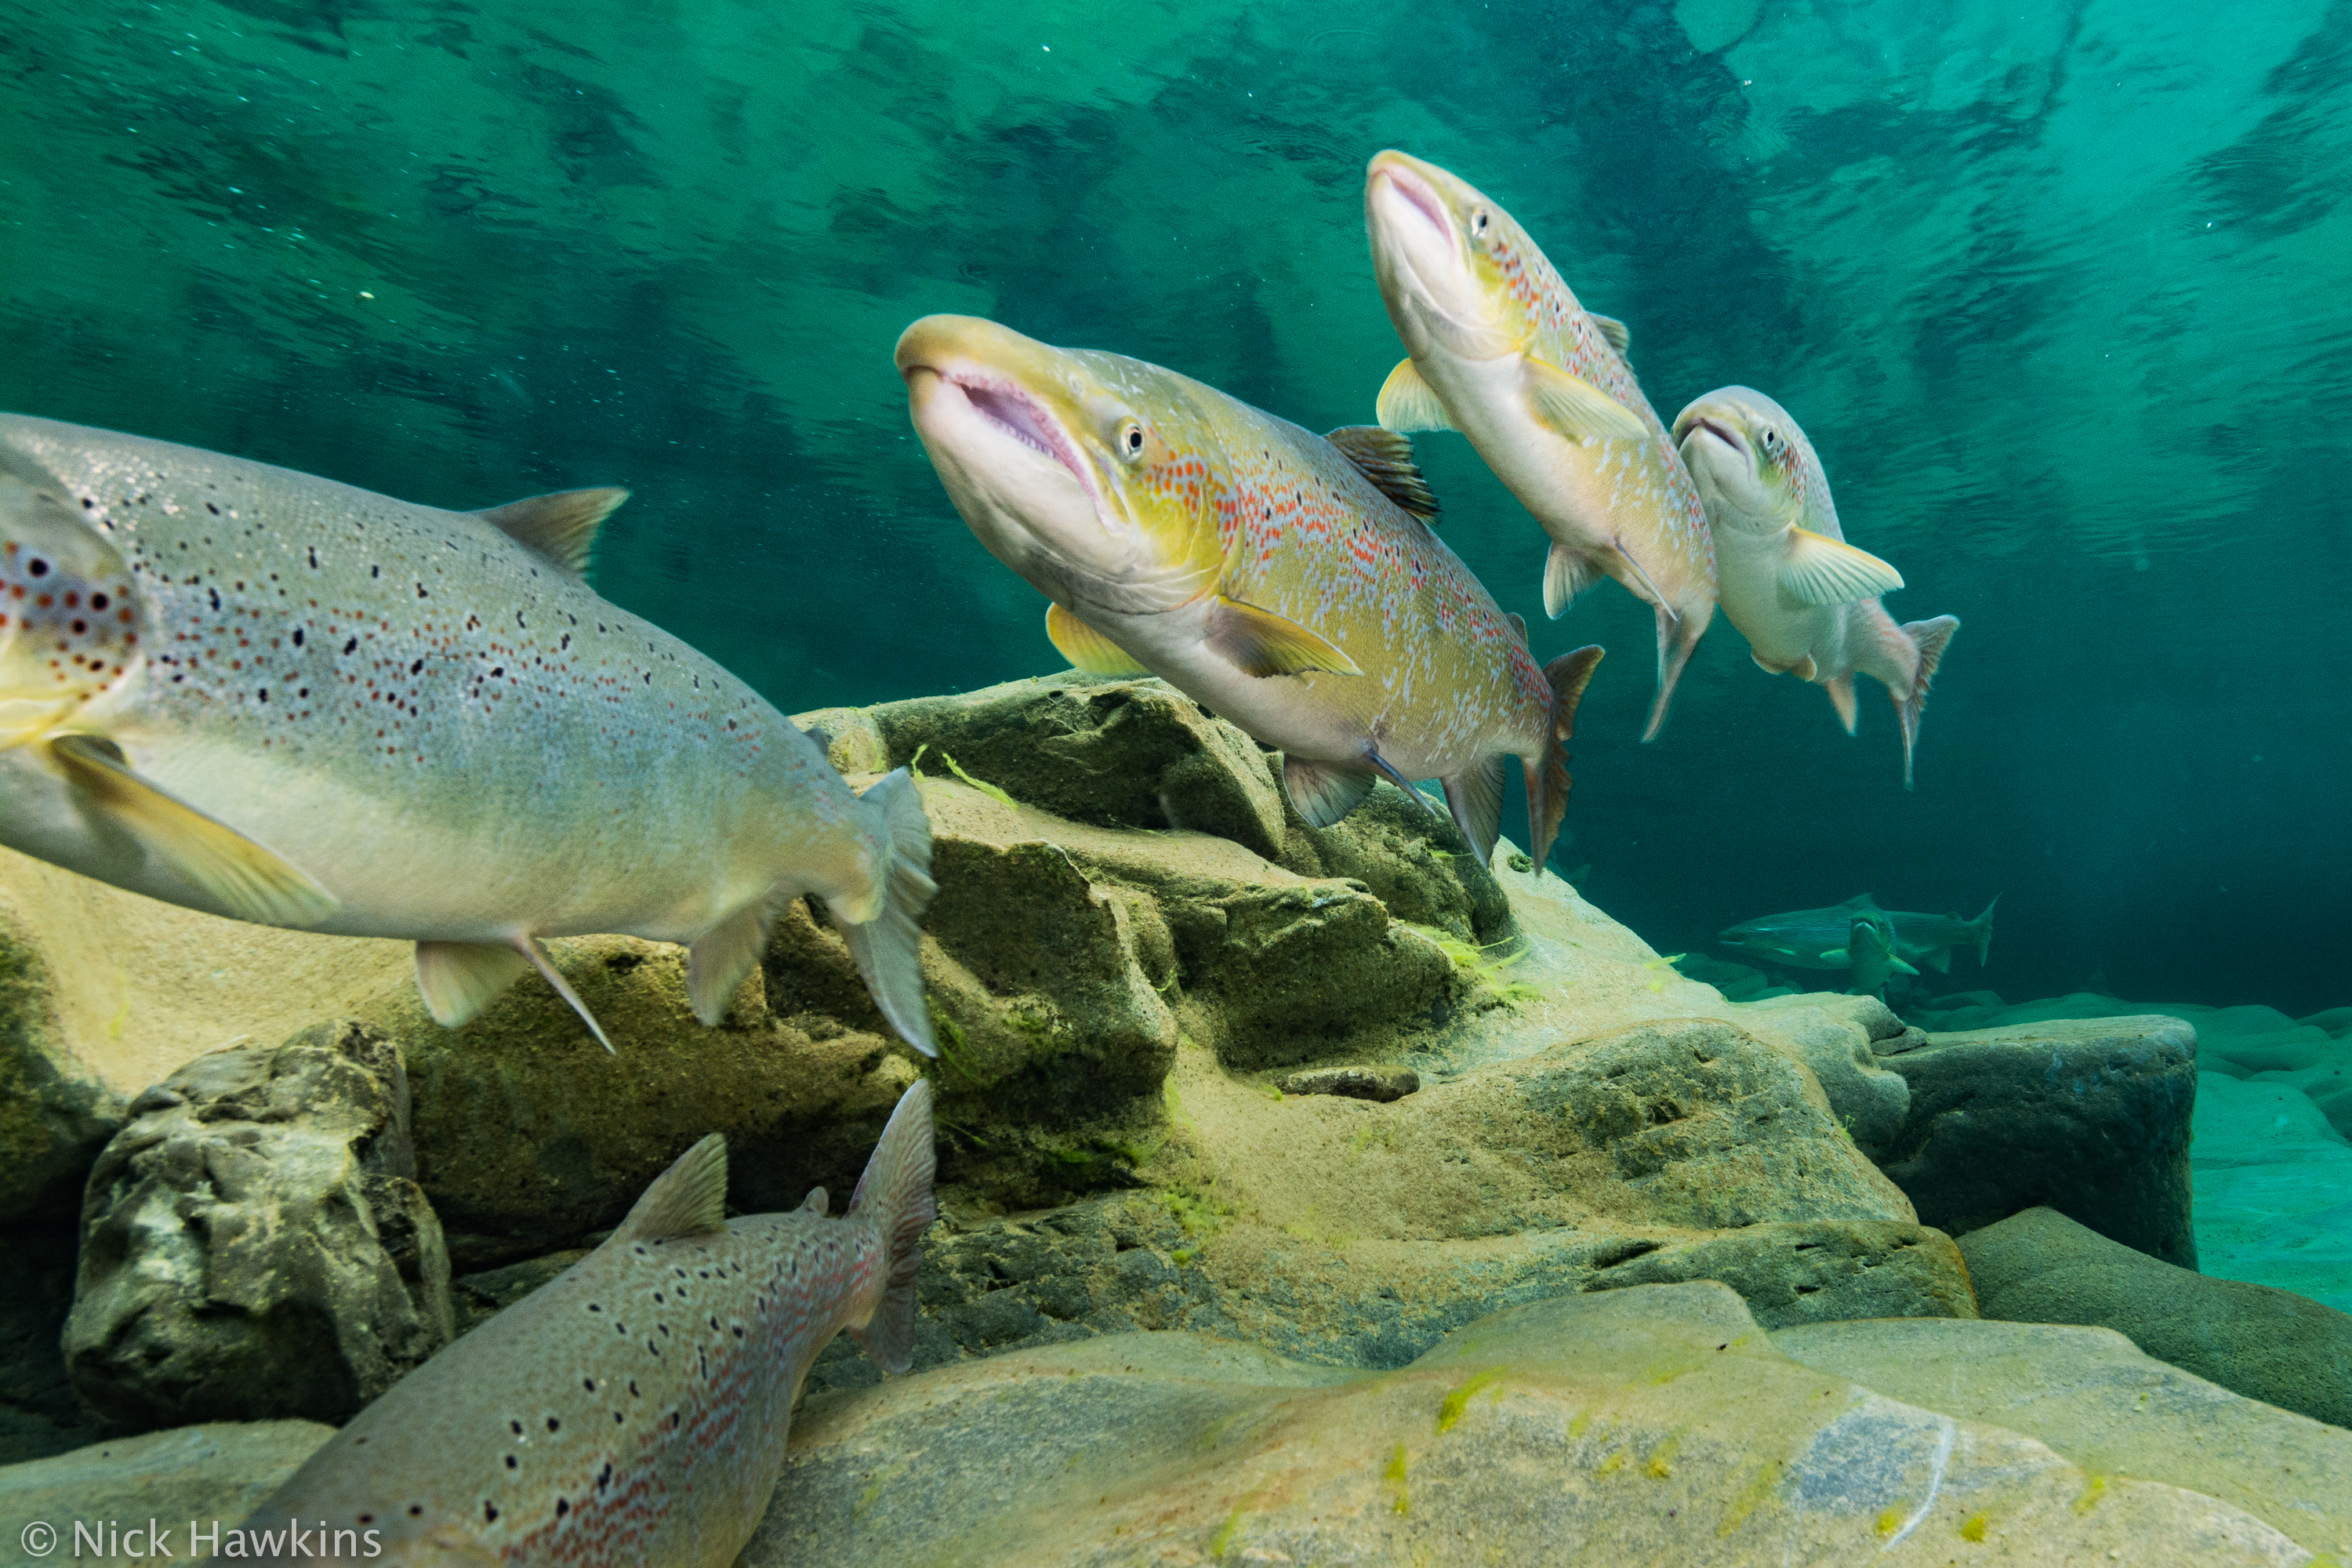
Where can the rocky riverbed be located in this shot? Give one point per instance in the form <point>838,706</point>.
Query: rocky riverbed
<point>1309,1194</point>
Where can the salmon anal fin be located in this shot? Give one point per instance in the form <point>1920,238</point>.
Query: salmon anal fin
<point>722,956</point>
<point>1407,402</point>
<point>1385,458</point>
<point>688,1199</point>
<point>1576,408</point>
<point>1840,691</point>
<point>1474,796</point>
<point>561,527</point>
<point>1087,648</point>
<point>1819,569</point>
<point>249,881</point>
<point>1323,793</point>
<point>458,979</point>
<point>1261,643</point>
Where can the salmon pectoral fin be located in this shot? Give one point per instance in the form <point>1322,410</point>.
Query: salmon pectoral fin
<point>458,979</point>
<point>561,527</point>
<point>1407,402</point>
<point>1476,797</point>
<point>1840,691</point>
<point>251,882</point>
<point>1576,408</point>
<point>1567,574</point>
<point>1388,771</point>
<point>1087,648</point>
<point>722,956</point>
<point>1323,793</point>
<point>894,1195</point>
<point>688,1199</point>
<point>1819,569</point>
<point>1261,643</point>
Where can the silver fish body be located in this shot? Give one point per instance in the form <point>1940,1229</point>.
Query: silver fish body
<point>633,1410</point>
<point>267,695</point>
<point>1807,939</point>
<point>1930,939</point>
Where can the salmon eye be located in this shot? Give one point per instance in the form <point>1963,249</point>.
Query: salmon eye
<point>1478,222</point>
<point>1130,440</point>
<point>1772,438</point>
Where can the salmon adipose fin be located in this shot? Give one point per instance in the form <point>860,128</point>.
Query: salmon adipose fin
<point>889,948</point>
<point>895,1194</point>
<point>1840,691</point>
<point>1323,793</point>
<point>1474,796</point>
<point>1547,785</point>
<point>1677,637</point>
<point>722,955</point>
<point>1930,637</point>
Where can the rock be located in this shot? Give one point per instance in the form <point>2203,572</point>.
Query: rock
<point>2040,1267</point>
<point>1382,1084</point>
<point>1356,1232</point>
<point>56,1113</point>
<point>1836,1038</point>
<point>1656,1424</point>
<point>208,1477</point>
<point>478,1297</point>
<point>2090,1117</point>
<point>254,1243</point>
<point>39,1413</point>
<point>2103,1405</point>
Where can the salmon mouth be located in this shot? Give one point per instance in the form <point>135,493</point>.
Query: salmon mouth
<point>1416,192</point>
<point>1008,412</point>
<point>1721,431</point>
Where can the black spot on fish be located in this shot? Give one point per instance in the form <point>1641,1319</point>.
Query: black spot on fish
<point>418,665</point>
<point>594,1308</point>
<point>517,1427</point>
<point>633,1388</point>
<point>37,567</point>
<point>606,1477</point>
<point>489,1512</point>
<point>416,1511</point>
<point>97,601</point>
<point>215,597</point>
<point>80,627</point>
<point>367,1518</point>
<point>314,558</point>
<point>265,693</point>
<point>375,571</point>
<point>589,1383</point>
<point>562,1507</point>
<point>353,643</point>
<point>420,591</point>
<point>513,1464</point>
<point>551,1423</point>
<point>298,637</point>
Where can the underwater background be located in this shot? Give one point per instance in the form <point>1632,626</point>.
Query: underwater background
<point>2058,293</point>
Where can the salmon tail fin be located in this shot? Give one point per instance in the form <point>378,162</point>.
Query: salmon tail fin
<point>1676,636</point>
<point>1930,637</point>
<point>889,947</point>
<point>1982,926</point>
<point>1474,796</point>
<point>895,1193</point>
<point>1548,781</point>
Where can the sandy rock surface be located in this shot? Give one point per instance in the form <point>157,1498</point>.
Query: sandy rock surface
<point>2102,1403</point>
<point>209,1476</point>
<point>1657,1425</point>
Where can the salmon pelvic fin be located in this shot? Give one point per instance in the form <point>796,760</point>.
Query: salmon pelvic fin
<point>889,948</point>
<point>1677,635</point>
<point>895,1195</point>
<point>1931,638</point>
<point>1548,781</point>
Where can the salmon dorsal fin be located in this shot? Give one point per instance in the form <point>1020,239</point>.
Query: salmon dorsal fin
<point>1612,329</point>
<point>561,527</point>
<point>1385,458</point>
<point>688,1199</point>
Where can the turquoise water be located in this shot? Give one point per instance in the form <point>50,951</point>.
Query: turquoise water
<point>2058,294</point>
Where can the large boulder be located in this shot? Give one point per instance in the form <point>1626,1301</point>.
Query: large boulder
<point>2090,1117</point>
<point>2102,1403</point>
<point>2040,1267</point>
<point>1656,1424</point>
<point>55,1111</point>
<point>1838,1038</point>
<point>2273,1188</point>
<point>255,1245</point>
<point>189,1486</point>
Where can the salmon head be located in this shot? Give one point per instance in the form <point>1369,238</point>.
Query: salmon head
<point>1753,466</point>
<point>1089,474</point>
<point>1459,276</point>
<point>69,614</point>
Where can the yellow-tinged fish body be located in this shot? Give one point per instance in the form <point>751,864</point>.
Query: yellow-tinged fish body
<point>632,1411</point>
<point>269,695</point>
<point>1285,580</point>
<point>1499,349</point>
<point>1806,600</point>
